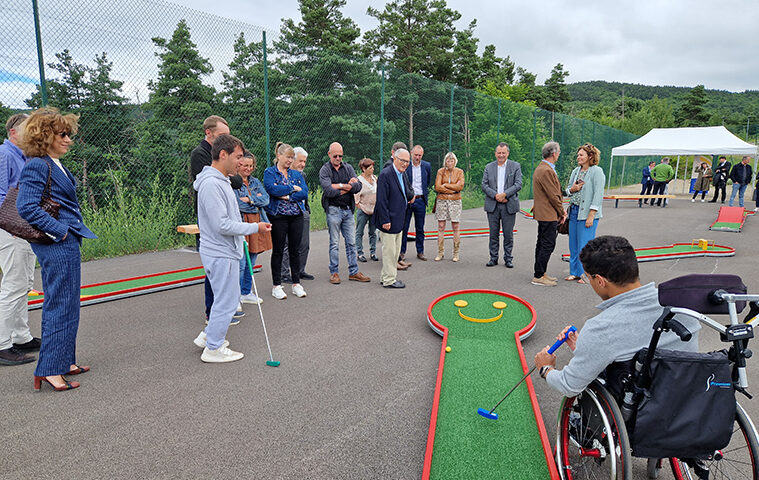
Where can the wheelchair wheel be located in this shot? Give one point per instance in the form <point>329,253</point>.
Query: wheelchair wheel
<point>591,439</point>
<point>739,460</point>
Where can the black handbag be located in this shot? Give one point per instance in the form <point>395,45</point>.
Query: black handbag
<point>11,221</point>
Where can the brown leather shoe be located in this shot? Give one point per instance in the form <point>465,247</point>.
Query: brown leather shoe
<point>404,263</point>
<point>401,266</point>
<point>421,257</point>
<point>334,278</point>
<point>359,277</point>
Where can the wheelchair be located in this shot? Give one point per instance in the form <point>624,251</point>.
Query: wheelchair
<point>593,441</point>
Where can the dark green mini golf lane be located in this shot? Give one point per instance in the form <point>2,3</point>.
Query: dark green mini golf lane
<point>481,367</point>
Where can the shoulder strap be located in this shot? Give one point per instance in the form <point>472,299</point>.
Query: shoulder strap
<point>46,191</point>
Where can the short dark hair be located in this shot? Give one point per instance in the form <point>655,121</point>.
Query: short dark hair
<point>398,146</point>
<point>503,144</point>
<point>364,163</point>
<point>611,257</point>
<point>228,143</point>
<point>722,157</point>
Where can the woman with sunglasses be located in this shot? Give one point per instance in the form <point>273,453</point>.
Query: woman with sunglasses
<point>47,138</point>
<point>586,192</point>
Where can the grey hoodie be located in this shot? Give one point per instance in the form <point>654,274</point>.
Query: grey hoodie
<point>219,217</point>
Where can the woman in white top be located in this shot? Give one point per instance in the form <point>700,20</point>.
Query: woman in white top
<point>365,200</point>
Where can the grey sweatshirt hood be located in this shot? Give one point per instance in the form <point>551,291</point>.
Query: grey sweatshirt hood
<point>219,220</point>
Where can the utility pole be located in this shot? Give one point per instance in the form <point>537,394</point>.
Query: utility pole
<point>623,103</point>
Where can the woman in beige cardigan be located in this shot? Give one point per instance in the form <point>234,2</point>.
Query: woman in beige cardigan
<point>448,185</point>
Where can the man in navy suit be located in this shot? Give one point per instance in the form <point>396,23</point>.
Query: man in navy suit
<point>418,175</point>
<point>501,183</point>
<point>394,192</point>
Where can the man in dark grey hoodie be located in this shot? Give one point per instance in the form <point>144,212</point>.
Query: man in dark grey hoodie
<point>222,245</point>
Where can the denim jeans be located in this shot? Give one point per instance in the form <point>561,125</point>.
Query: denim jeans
<point>741,189</point>
<point>362,220</point>
<point>340,220</point>
<point>579,235</point>
<point>246,280</point>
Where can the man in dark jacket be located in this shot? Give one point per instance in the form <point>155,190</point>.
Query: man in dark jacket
<point>394,192</point>
<point>646,182</point>
<point>741,175</point>
<point>721,172</point>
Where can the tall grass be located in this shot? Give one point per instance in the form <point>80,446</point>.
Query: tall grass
<point>134,222</point>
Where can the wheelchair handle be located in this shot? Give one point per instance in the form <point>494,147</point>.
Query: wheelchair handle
<point>679,330</point>
<point>559,342</point>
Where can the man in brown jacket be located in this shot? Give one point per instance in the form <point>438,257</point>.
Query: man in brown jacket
<point>547,210</point>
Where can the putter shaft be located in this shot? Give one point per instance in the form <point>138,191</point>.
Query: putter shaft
<point>514,388</point>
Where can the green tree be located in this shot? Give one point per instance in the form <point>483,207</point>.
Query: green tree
<point>555,91</point>
<point>499,71</point>
<point>323,27</point>
<point>692,112</point>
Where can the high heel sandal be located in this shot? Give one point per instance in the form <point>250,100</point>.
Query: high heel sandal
<point>79,369</point>
<point>67,385</point>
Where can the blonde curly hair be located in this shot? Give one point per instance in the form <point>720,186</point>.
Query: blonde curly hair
<point>41,128</point>
<point>594,155</point>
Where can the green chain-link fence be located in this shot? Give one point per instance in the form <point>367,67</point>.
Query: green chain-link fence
<point>144,74</point>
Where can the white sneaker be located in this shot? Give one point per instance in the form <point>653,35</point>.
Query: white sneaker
<point>298,290</point>
<point>692,200</point>
<point>251,298</point>
<point>220,355</point>
<point>200,341</point>
<point>702,200</point>
<point>278,292</point>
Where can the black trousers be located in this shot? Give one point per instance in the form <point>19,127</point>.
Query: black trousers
<point>717,188</point>
<point>658,190</point>
<point>501,219</point>
<point>645,190</point>
<point>285,228</point>
<point>545,245</point>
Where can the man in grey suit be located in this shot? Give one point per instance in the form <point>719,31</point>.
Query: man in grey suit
<point>501,182</point>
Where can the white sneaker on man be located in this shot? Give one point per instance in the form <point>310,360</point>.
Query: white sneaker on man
<point>702,200</point>
<point>692,200</point>
<point>298,290</point>
<point>251,298</point>
<point>200,341</point>
<point>220,355</point>
<point>278,292</point>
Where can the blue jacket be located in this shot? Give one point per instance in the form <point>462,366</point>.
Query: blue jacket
<point>646,179</point>
<point>274,183</point>
<point>258,202</point>
<point>426,178</point>
<point>391,203</point>
<point>12,161</point>
<point>62,190</point>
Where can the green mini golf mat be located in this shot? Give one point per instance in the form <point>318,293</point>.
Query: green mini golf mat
<point>448,234</point>
<point>486,359</point>
<point>730,219</point>
<point>675,251</point>
<point>131,287</point>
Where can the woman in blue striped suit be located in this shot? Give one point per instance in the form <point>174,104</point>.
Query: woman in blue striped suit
<point>47,137</point>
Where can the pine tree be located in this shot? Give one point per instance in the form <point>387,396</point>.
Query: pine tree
<point>323,27</point>
<point>692,112</point>
<point>555,91</point>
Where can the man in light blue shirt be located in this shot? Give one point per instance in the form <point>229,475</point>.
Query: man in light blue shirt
<point>16,262</point>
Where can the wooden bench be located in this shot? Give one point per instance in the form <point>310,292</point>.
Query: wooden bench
<point>617,198</point>
<point>189,229</point>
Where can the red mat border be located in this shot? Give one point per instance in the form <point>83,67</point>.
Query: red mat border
<point>438,381</point>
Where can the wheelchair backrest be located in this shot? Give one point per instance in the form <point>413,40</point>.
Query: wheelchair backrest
<point>695,292</point>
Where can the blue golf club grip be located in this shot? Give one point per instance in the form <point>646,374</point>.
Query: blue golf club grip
<point>558,343</point>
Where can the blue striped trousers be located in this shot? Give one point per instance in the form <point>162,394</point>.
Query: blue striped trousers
<point>61,268</point>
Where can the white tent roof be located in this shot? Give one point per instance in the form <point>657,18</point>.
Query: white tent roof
<point>686,141</point>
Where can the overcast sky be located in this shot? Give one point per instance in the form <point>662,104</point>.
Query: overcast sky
<point>652,42</point>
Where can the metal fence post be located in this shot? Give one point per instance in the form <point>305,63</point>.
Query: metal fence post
<point>40,61</point>
<point>534,140</point>
<point>382,114</point>
<point>498,129</point>
<point>266,105</point>
<point>450,124</point>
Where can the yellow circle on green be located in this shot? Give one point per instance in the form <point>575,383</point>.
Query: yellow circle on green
<point>500,305</point>
<point>461,303</point>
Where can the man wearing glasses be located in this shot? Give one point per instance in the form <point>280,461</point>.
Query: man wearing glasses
<point>339,183</point>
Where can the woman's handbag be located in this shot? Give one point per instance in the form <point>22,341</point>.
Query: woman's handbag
<point>434,205</point>
<point>11,221</point>
<point>563,227</point>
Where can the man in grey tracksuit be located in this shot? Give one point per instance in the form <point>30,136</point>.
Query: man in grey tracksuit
<point>624,326</point>
<point>222,245</point>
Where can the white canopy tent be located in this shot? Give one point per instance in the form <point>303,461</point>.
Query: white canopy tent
<point>684,141</point>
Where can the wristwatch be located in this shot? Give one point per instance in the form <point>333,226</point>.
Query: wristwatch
<point>544,370</point>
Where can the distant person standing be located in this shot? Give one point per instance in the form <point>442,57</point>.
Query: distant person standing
<point>449,182</point>
<point>741,175</point>
<point>646,182</point>
<point>418,174</point>
<point>703,181</point>
<point>366,199</point>
<point>301,156</point>
<point>721,172</point>
<point>547,210</point>
<point>396,146</point>
<point>16,261</point>
<point>393,194</point>
<point>662,175</point>
<point>501,183</point>
<point>339,184</point>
